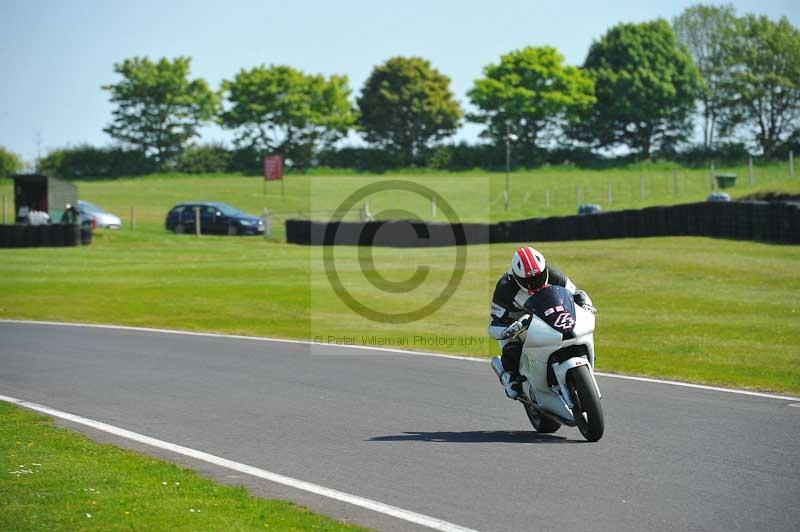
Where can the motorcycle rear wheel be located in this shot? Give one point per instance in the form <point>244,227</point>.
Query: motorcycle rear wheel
<point>586,403</point>
<point>543,425</point>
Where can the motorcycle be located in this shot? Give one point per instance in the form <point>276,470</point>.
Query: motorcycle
<point>559,386</point>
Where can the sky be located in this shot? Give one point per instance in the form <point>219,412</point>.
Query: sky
<point>55,55</point>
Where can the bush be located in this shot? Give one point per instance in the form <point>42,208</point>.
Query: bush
<point>10,163</point>
<point>205,159</point>
<point>89,162</point>
<point>365,159</point>
<point>729,153</point>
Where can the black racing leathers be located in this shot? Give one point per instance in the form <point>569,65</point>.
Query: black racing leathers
<point>507,306</point>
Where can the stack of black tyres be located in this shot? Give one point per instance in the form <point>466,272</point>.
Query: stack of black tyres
<point>72,235</point>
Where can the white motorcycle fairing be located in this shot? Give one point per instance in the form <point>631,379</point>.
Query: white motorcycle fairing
<point>549,354</point>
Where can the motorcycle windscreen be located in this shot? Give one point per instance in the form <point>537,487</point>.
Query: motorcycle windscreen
<point>555,307</point>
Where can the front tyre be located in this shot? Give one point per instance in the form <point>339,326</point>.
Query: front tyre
<point>543,425</point>
<point>586,409</point>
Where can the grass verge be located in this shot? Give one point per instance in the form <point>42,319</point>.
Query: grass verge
<point>54,479</point>
<point>696,309</point>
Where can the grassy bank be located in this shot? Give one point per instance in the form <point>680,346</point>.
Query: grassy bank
<point>54,479</point>
<point>699,309</point>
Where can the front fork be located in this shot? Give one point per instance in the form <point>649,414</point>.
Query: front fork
<point>560,370</point>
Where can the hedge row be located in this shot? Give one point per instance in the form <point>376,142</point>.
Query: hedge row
<point>751,220</point>
<point>51,235</point>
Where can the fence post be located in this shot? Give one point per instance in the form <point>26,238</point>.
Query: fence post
<point>641,187</point>
<point>791,163</point>
<point>610,193</point>
<point>675,184</point>
<point>283,186</point>
<point>197,221</point>
<point>547,199</point>
<point>4,208</point>
<point>711,177</point>
<point>750,171</point>
<point>133,219</point>
<point>267,231</point>
<point>433,206</point>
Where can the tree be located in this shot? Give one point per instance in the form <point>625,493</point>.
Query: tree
<point>158,108</point>
<point>645,85</point>
<point>280,109</point>
<point>405,104</point>
<point>706,32</point>
<point>764,65</point>
<point>530,94</point>
<point>10,163</point>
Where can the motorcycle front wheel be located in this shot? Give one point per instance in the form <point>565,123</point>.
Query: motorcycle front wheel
<point>543,425</point>
<point>586,409</point>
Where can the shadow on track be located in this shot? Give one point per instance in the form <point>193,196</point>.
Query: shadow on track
<point>477,436</point>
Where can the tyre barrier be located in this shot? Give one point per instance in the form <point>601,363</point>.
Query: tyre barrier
<point>777,222</point>
<point>48,235</point>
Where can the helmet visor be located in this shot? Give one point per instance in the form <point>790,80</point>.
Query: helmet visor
<point>533,282</point>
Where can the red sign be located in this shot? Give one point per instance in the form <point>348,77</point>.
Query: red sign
<point>273,167</point>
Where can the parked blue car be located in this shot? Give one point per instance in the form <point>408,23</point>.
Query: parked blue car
<point>215,218</point>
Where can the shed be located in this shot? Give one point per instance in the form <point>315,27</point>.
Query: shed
<point>42,193</point>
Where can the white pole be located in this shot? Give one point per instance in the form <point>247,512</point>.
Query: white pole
<point>506,194</point>
<point>433,206</point>
<point>641,187</point>
<point>267,233</point>
<point>197,221</point>
<point>547,198</point>
<point>133,219</point>
<point>750,171</point>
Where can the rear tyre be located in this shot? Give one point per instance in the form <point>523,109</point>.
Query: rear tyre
<point>180,229</point>
<point>232,230</point>
<point>586,403</point>
<point>543,425</point>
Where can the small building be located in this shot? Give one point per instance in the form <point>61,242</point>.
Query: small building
<point>34,192</point>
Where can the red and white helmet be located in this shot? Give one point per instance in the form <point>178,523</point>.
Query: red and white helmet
<point>529,270</point>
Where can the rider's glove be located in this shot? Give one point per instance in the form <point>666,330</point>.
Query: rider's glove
<point>582,299</point>
<point>512,330</point>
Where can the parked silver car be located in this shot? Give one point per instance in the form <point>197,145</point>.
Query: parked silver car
<point>102,218</point>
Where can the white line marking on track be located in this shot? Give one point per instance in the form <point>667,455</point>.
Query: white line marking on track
<point>375,506</point>
<point>795,404</point>
<point>385,350</point>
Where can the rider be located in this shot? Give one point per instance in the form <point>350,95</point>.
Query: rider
<point>528,274</point>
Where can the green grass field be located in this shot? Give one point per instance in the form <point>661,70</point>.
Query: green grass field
<point>54,479</point>
<point>697,309</point>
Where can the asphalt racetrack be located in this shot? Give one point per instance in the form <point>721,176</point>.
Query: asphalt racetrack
<point>427,434</point>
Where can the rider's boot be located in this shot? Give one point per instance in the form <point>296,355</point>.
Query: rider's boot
<point>512,382</point>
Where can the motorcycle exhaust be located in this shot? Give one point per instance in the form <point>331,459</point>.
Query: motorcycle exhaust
<point>497,366</point>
